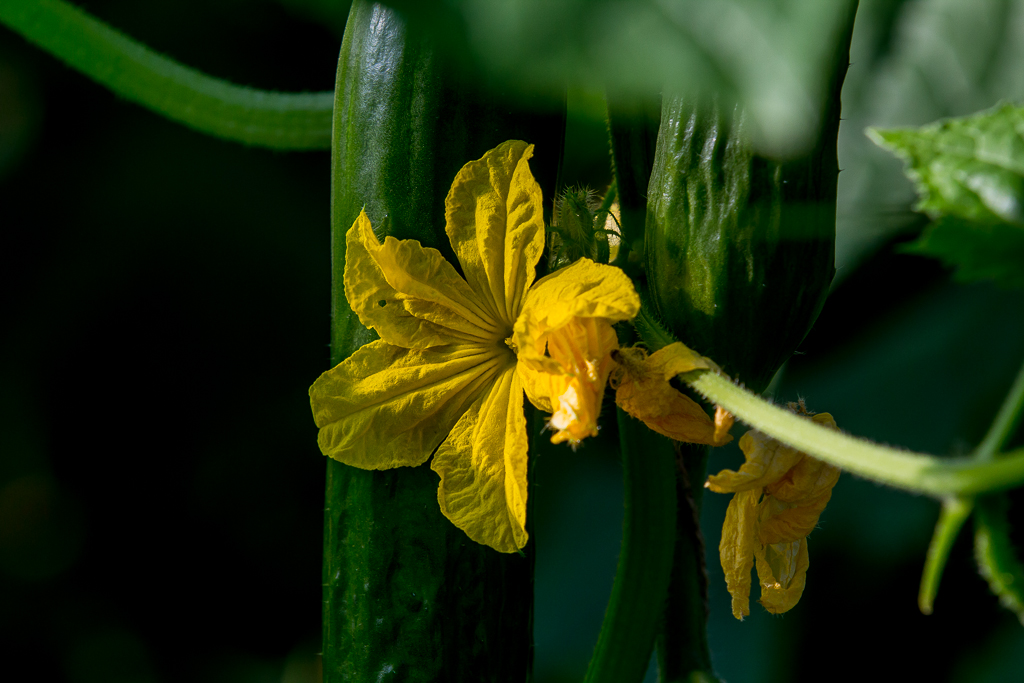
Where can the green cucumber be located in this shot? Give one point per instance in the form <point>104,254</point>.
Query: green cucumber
<point>740,248</point>
<point>406,595</point>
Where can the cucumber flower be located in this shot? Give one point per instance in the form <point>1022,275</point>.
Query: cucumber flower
<point>643,391</point>
<point>456,352</point>
<point>779,495</point>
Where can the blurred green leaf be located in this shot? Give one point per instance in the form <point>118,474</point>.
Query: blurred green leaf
<point>969,174</point>
<point>971,167</point>
<point>979,251</point>
<point>773,57</point>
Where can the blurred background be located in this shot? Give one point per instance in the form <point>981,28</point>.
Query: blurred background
<point>164,306</point>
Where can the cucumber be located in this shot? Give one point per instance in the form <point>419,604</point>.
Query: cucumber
<point>740,248</point>
<point>406,595</point>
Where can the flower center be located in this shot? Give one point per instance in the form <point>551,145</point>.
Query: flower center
<point>512,345</point>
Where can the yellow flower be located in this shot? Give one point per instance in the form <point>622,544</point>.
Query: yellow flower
<point>779,496</point>
<point>445,377</point>
<point>645,393</point>
<point>568,315</point>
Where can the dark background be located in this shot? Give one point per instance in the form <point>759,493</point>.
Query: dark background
<point>164,306</point>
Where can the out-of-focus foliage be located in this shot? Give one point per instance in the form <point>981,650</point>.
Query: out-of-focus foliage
<point>769,55</point>
<point>972,167</point>
<point>980,251</point>
<point>969,171</point>
<point>913,62</point>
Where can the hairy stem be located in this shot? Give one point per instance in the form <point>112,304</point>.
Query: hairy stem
<point>955,512</point>
<point>137,73</point>
<point>1005,423</point>
<point>918,472</point>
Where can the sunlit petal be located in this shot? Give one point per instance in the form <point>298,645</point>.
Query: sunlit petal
<point>411,295</point>
<point>387,406</point>
<point>495,223</point>
<point>583,290</point>
<point>482,465</point>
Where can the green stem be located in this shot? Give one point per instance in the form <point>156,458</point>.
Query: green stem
<point>652,333</point>
<point>955,512</point>
<point>997,561</point>
<point>183,94</point>
<point>1006,421</point>
<point>645,562</point>
<point>683,639</point>
<point>918,472</point>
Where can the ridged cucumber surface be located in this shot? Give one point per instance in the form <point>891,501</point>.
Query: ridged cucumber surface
<point>740,248</point>
<point>406,595</point>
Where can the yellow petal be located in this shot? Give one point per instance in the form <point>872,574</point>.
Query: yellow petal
<point>583,290</point>
<point>495,223</point>
<point>387,406</point>
<point>767,461</point>
<point>782,572</point>
<point>537,385</point>
<point>783,522</point>
<point>737,548</point>
<point>482,465</point>
<point>723,423</point>
<point>411,295</point>
<point>808,479</point>
<point>582,350</point>
<point>645,393</point>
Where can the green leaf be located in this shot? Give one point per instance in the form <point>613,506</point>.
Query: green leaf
<point>971,167</point>
<point>969,174</point>
<point>771,56</point>
<point>979,251</point>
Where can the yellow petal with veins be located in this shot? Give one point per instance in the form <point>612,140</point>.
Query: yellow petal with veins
<point>411,295</point>
<point>782,522</point>
<point>387,406</point>
<point>495,223</point>
<point>767,461</point>
<point>737,547</point>
<point>564,338</point>
<point>537,385</point>
<point>482,465</point>
<point>645,393</point>
<point>582,348</point>
<point>583,290</point>
<point>793,489</point>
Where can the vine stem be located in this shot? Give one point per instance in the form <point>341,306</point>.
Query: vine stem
<point>917,472</point>
<point>955,512</point>
<point>1006,421</point>
<point>645,562</point>
<point>137,73</point>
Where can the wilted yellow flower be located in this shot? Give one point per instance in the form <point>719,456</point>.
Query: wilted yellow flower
<point>455,354</point>
<point>780,494</point>
<point>645,393</point>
